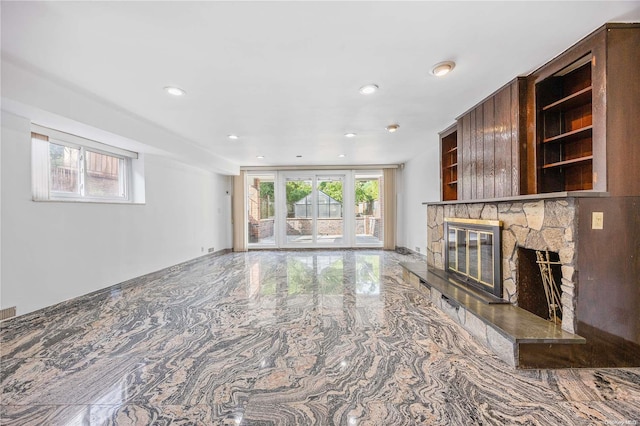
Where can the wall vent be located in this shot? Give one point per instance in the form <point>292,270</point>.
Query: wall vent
<point>211,249</point>
<point>7,313</point>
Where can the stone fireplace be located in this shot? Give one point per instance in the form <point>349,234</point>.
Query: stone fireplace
<point>536,224</point>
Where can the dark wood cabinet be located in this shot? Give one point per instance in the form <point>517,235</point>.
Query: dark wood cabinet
<point>571,125</point>
<point>449,163</point>
<point>491,147</point>
<point>587,104</point>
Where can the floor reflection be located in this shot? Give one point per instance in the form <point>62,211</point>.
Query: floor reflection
<point>280,337</point>
<point>335,284</point>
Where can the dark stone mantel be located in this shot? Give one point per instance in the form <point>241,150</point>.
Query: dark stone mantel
<point>524,198</point>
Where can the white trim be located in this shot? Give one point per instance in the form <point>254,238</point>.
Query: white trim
<point>320,168</point>
<point>80,141</point>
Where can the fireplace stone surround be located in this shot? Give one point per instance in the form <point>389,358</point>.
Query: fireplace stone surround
<point>598,276</point>
<point>534,223</point>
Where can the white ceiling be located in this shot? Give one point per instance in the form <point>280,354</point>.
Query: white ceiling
<point>284,76</point>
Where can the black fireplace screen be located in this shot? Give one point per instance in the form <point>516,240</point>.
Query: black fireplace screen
<point>473,252</point>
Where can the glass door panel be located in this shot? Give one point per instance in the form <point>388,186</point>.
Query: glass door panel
<point>330,220</point>
<point>261,209</point>
<point>299,222</point>
<point>368,209</point>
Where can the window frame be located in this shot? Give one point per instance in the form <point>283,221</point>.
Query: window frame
<point>125,168</point>
<point>124,175</point>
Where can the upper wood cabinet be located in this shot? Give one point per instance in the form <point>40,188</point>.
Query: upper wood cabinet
<point>492,145</point>
<point>587,109</point>
<point>571,125</point>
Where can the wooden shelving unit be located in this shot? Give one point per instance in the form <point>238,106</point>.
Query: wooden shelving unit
<point>449,164</point>
<point>565,129</point>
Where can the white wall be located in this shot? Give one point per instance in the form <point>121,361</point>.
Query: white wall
<point>420,183</point>
<point>54,251</point>
<point>51,252</point>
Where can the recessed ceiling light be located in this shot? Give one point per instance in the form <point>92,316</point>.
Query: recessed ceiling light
<point>369,89</point>
<point>392,127</point>
<point>443,68</point>
<point>234,137</point>
<point>175,91</point>
<point>298,156</point>
<point>341,155</point>
<point>260,157</point>
<point>349,135</point>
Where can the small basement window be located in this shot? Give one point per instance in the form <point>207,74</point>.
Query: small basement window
<point>71,168</point>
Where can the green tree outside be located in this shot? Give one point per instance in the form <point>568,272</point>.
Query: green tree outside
<point>367,191</point>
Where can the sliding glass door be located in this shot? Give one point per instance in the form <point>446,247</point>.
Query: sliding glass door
<point>368,208</point>
<point>308,209</point>
<point>314,210</point>
<point>299,212</point>
<point>261,209</point>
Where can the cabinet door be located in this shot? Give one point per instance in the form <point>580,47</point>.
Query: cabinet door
<point>503,137</point>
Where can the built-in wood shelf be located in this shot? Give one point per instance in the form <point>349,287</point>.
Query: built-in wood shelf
<point>572,135</point>
<point>576,99</point>
<point>565,128</point>
<point>449,163</point>
<point>568,162</point>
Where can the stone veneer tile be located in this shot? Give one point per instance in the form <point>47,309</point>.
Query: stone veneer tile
<point>489,212</point>
<point>535,214</point>
<point>455,312</point>
<point>476,327</point>
<point>554,238</point>
<point>436,298</point>
<point>475,210</point>
<point>567,272</point>
<point>567,253</point>
<point>513,218</point>
<point>501,346</point>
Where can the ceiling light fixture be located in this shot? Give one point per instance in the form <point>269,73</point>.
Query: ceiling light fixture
<point>175,91</point>
<point>392,127</point>
<point>233,137</point>
<point>368,89</point>
<point>341,155</point>
<point>443,68</point>
<point>298,156</point>
<point>349,135</point>
<point>260,157</point>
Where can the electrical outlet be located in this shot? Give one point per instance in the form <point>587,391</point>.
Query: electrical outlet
<point>418,249</point>
<point>597,220</point>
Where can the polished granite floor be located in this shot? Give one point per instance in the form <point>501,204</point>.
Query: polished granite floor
<point>300,338</point>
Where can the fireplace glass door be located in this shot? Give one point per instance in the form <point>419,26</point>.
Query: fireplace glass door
<point>473,253</point>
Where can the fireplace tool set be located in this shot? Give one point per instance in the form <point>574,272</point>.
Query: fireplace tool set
<point>551,291</point>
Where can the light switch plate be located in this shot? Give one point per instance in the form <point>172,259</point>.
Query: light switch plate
<point>597,220</point>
